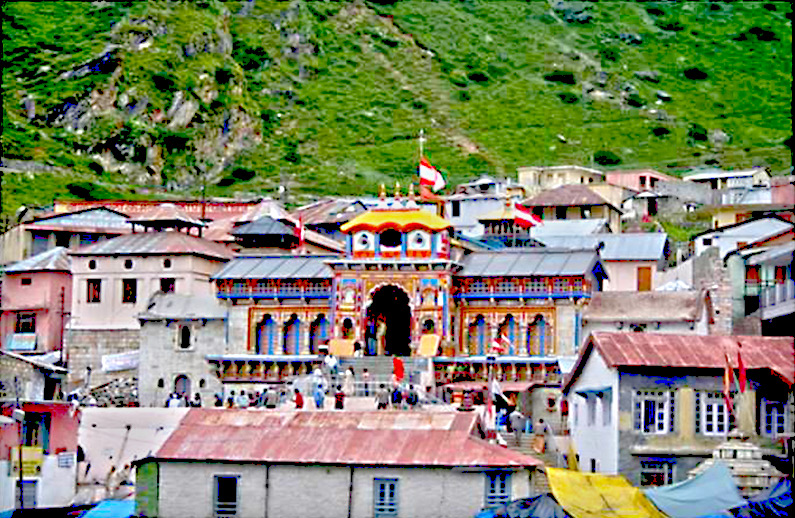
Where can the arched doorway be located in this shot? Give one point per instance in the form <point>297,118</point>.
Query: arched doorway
<point>507,329</point>
<point>266,333</point>
<point>537,336</point>
<point>389,322</point>
<point>292,335</point>
<point>182,385</point>
<point>318,333</point>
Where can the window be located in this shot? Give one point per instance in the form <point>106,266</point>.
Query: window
<point>128,264</point>
<point>456,206</point>
<point>498,488</point>
<point>391,238</point>
<point>656,472</point>
<point>28,494</point>
<point>590,403</point>
<point>607,416</point>
<point>36,430</point>
<point>707,241</point>
<point>26,323</point>
<point>167,285</point>
<point>184,337</point>
<point>92,264</point>
<point>774,418</point>
<point>654,411</point>
<point>62,239</point>
<point>166,263</point>
<point>27,281</point>
<point>225,498</point>
<point>385,497</point>
<point>711,415</point>
<point>560,212</point>
<point>129,291</point>
<point>93,294</point>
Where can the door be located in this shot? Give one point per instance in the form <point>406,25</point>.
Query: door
<point>644,278</point>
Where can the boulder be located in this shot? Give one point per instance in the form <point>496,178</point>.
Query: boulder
<point>664,96</point>
<point>651,76</point>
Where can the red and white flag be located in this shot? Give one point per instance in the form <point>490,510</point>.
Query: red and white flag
<point>430,176</point>
<point>742,377</point>
<point>728,377</point>
<point>301,231</point>
<point>525,218</point>
<point>500,345</point>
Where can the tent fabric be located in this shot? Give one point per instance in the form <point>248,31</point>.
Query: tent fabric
<point>593,495</point>
<point>541,506</point>
<point>775,502</point>
<point>709,493</point>
<point>111,509</point>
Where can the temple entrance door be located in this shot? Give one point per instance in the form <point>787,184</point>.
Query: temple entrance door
<point>389,323</point>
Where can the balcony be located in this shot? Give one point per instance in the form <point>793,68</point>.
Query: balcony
<point>777,299</point>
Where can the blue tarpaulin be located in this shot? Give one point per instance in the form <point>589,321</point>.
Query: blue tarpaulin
<point>712,492</point>
<point>111,509</point>
<point>775,502</point>
<point>542,506</point>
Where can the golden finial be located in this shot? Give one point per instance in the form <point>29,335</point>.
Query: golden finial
<point>382,192</point>
<point>411,192</point>
<point>397,190</point>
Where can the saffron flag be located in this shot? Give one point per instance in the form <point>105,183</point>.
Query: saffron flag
<point>430,176</point>
<point>500,345</point>
<point>525,218</point>
<point>741,365</point>
<point>397,369</point>
<point>728,376</point>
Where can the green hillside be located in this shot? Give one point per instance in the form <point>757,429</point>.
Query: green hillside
<point>235,98</point>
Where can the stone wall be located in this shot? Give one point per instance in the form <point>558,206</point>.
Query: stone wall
<point>710,273</point>
<point>687,191</point>
<point>86,347</point>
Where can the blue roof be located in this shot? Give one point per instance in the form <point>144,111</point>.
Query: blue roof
<point>112,509</point>
<point>639,246</point>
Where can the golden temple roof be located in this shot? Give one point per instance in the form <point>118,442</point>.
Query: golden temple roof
<point>401,219</point>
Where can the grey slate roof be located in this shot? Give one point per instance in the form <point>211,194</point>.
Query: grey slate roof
<point>56,260</point>
<point>276,267</point>
<point>542,261</point>
<point>156,243</point>
<point>754,228</point>
<point>646,306</point>
<point>264,226</point>
<point>175,306</point>
<point>568,227</point>
<point>618,247</point>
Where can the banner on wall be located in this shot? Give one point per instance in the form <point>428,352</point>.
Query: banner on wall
<point>120,361</point>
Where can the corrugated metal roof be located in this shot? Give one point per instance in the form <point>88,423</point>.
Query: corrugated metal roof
<point>618,247</point>
<point>691,351</point>
<point>56,260</point>
<point>336,438</point>
<point>265,225</point>
<point>328,211</point>
<point>755,228</point>
<point>100,217</point>
<point>175,306</point>
<point>156,243</point>
<point>568,227</point>
<point>645,306</point>
<point>166,212</point>
<point>529,262</point>
<point>276,267</point>
<point>777,253</point>
<point>566,196</point>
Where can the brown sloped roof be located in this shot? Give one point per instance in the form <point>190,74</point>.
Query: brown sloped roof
<point>157,243</point>
<point>566,196</point>
<point>776,353</point>
<point>166,213</point>
<point>336,438</point>
<point>644,306</point>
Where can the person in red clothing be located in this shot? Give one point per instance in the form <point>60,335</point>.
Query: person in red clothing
<point>299,399</point>
<point>339,398</point>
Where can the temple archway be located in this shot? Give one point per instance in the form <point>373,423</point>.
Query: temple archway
<point>389,322</point>
<point>318,333</point>
<point>292,335</point>
<point>266,333</point>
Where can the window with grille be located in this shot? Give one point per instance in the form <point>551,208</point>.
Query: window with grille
<point>29,488</point>
<point>479,286</point>
<point>537,285</point>
<point>606,409</point>
<point>590,404</point>
<point>385,497</point>
<point>225,501</point>
<point>168,285</point>
<point>498,488</point>
<point>26,323</point>
<point>775,419</point>
<point>656,472</point>
<point>93,291</point>
<point>654,411</point>
<point>560,284</point>
<point>129,292</point>
<point>712,415</point>
<point>506,286</point>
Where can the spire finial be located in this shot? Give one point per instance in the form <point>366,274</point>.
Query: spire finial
<point>397,190</point>
<point>411,192</point>
<point>382,192</point>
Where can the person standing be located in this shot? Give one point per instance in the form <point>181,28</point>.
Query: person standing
<point>299,400</point>
<point>516,425</point>
<point>320,396</point>
<point>382,398</point>
<point>366,382</point>
<point>349,384</point>
<point>339,399</point>
<point>380,335</point>
<point>197,401</point>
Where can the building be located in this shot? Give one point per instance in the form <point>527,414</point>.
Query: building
<point>671,312</point>
<point>177,333</point>
<point>573,202</point>
<point>737,235</point>
<point>327,215</point>
<point>717,179</point>
<point>114,281</point>
<point>631,261</point>
<point>638,179</point>
<point>538,179</point>
<point>469,202</point>
<point>36,301</point>
<point>66,230</point>
<point>651,407</point>
<point>328,464</point>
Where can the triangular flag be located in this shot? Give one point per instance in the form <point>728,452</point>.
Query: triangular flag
<point>524,217</point>
<point>430,176</point>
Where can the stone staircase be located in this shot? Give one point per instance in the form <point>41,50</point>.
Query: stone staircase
<point>540,482</point>
<point>380,367</point>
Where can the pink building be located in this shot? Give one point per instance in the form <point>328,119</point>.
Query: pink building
<point>639,179</point>
<point>36,300</point>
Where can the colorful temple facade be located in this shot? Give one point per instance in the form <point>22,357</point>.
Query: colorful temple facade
<point>405,287</point>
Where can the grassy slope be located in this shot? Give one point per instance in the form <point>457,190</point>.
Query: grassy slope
<point>340,111</point>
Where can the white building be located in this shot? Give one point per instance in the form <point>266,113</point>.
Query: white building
<point>732,237</point>
<point>253,463</point>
